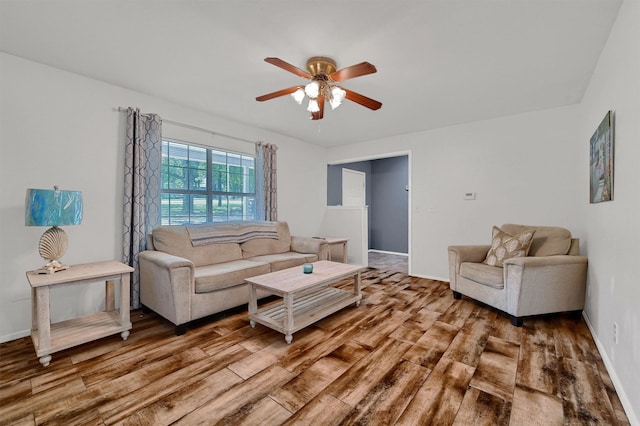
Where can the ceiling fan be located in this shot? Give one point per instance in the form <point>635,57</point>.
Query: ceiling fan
<point>323,75</point>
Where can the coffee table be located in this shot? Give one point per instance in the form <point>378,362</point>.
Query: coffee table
<point>306,298</point>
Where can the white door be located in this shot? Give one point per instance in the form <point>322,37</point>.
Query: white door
<point>353,188</point>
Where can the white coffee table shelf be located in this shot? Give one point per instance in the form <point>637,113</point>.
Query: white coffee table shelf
<point>306,298</point>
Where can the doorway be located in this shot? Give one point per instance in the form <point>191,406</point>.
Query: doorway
<point>387,196</point>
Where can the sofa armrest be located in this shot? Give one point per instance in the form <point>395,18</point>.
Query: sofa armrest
<point>544,284</point>
<point>475,254</point>
<point>310,245</point>
<point>166,285</point>
<point>459,254</point>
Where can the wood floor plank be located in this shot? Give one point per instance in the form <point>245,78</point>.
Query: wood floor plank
<point>299,391</point>
<point>409,354</point>
<point>242,396</point>
<point>183,401</point>
<point>496,371</point>
<point>356,382</point>
<point>584,397</point>
<point>538,363</point>
<point>34,403</point>
<point>378,328</point>
<point>533,407</point>
<point>432,345</point>
<point>481,408</point>
<point>439,398</point>
<point>469,343</point>
<point>323,410</point>
<point>265,412</point>
<point>386,401</point>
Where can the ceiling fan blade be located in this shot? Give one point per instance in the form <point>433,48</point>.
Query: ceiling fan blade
<point>362,100</point>
<point>318,115</point>
<point>353,71</point>
<point>288,67</point>
<point>279,93</point>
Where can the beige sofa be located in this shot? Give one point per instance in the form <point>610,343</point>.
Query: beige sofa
<point>551,278</point>
<point>184,281</point>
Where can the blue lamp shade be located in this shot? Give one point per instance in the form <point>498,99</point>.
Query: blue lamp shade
<point>53,207</point>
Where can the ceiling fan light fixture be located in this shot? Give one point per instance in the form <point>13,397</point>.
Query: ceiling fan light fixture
<point>298,95</point>
<point>323,78</point>
<point>312,89</point>
<point>313,106</point>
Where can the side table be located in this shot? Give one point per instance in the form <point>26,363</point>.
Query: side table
<point>338,242</point>
<point>49,338</point>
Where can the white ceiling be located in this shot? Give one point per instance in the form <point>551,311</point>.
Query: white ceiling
<point>439,62</point>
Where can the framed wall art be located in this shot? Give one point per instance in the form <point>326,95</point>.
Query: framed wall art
<point>601,161</point>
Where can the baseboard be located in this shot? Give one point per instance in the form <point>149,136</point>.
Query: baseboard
<point>428,277</point>
<point>15,336</point>
<point>626,404</point>
<point>388,252</point>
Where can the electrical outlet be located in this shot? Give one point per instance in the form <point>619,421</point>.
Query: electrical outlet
<point>615,332</point>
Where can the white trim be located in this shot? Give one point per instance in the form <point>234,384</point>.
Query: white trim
<point>14,336</point>
<point>395,253</point>
<point>428,277</point>
<point>624,399</point>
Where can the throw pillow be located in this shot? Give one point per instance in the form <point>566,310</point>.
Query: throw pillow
<point>506,246</point>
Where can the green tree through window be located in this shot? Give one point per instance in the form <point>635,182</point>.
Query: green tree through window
<point>202,185</point>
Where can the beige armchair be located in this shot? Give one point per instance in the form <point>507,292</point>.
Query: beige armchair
<point>551,278</point>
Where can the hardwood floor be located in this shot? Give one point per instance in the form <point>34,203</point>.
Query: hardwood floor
<point>409,355</point>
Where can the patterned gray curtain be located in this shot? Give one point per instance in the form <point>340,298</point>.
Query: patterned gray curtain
<point>142,168</point>
<point>266,184</point>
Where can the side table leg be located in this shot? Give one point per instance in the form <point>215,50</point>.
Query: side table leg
<point>109,296</point>
<point>44,360</point>
<point>44,320</point>
<point>124,299</point>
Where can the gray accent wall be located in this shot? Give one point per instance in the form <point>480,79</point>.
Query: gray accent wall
<point>389,221</point>
<point>386,196</point>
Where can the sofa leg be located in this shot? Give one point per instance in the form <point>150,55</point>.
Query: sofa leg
<point>516,321</point>
<point>181,329</point>
<point>457,295</point>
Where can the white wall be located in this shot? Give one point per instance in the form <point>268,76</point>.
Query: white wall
<point>523,169</point>
<point>613,228</point>
<point>60,128</point>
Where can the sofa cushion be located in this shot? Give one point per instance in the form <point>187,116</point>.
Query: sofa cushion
<point>483,274</point>
<point>507,246</point>
<point>547,241</point>
<point>285,260</point>
<point>174,239</point>
<point>224,275</point>
<point>262,246</point>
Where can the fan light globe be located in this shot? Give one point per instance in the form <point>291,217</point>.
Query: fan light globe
<point>337,96</point>
<point>298,95</point>
<point>312,89</point>
<point>313,106</point>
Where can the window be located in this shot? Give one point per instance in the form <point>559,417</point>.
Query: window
<point>206,185</point>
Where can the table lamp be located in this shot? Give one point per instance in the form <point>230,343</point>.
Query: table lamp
<point>55,208</point>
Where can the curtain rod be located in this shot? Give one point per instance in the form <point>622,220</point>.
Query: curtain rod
<point>192,127</point>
